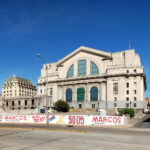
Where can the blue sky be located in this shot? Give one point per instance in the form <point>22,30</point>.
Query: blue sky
<point>54,28</point>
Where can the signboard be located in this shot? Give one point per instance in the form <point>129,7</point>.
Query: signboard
<point>65,119</point>
<point>38,119</point>
<point>86,120</point>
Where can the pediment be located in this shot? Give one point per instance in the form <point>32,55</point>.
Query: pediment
<point>91,51</point>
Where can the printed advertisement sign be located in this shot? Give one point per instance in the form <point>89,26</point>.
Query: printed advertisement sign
<point>39,119</point>
<point>86,120</point>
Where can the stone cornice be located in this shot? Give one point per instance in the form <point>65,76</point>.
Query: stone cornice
<point>105,77</point>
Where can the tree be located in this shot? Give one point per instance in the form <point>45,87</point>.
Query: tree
<point>61,106</point>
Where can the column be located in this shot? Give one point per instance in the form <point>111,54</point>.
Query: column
<point>86,94</point>
<point>73,94</point>
<point>62,93</point>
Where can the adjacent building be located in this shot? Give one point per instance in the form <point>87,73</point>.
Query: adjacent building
<point>16,86</point>
<point>18,93</point>
<point>90,78</point>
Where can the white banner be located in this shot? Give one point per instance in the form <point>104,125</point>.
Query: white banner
<point>38,119</point>
<point>86,120</point>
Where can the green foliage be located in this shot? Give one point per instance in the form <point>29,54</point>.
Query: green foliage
<point>61,106</point>
<point>129,111</point>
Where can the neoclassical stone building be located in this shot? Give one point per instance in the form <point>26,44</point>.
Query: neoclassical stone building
<point>90,78</point>
<point>18,94</point>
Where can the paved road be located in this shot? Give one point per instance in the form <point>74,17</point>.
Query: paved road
<point>98,139</point>
<point>144,123</point>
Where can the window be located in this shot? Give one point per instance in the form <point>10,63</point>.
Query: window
<point>19,103</point>
<point>134,91</point>
<point>32,101</point>
<point>127,85</point>
<point>41,91</point>
<point>115,104</point>
<point>70,72</point>
<point>115,88</point>
<point>81,67</point>
<point>134,98</point>
<point>134,70</point>
<point>69,95</point>
<point>93,69</point>
<point>115,99</point>
<point>127,92</point>
<point>127,98</point>
<point>134,104</point>
<point>51,91</point>
<point>80,94</point>
<point>80,105</point>
<point>7,103</point>
<point>134,84</point>
<point>93,105</point>
<point>127,105</point>
<point>26,102</point>
<point>13,103</point>
<point>94,94</point>
<point>127,71</point>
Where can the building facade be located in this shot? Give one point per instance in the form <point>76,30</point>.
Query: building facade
<point>18,94</point>
<point>90,78</point>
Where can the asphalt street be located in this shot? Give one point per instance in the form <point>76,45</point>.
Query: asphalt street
<point>29,139</point>
<point>47,137</point>
<point>144,123</point>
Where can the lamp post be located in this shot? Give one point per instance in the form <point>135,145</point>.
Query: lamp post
<point>46,107</point>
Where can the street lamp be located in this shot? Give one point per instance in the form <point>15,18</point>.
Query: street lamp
<point>46,107</point>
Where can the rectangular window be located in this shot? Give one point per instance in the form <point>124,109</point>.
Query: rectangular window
<point>19,103</point>
<point>134,70</point>
<point>134,98</point>
<point>41,91</point>
<point>134,84</point>
<point>134,91</point>
<point>134,104</point>
<point>127,85</point>
<point>32,101</point>
<point>80,105</point>
<point>115,88</point>
<point>127,105</point>
<point>115,104</point>
<point>26,102</point>
<point>127,71</point>
<point>7,103</point>
<point>51,91</point>
<point>93,105</point>
<point>81,67</point>
<point>127,98</point>
<point>115,99</point>
<point>127,92</point>
<point>13,103</point>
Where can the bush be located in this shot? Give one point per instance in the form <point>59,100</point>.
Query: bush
<point>61,106</point>
<point>129,111</point>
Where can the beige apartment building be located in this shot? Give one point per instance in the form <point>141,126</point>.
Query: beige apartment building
<point>18,93</point>
<point>90,78</point>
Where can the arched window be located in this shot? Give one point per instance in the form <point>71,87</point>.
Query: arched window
<point>70,72</point>
<point>81,67</point>
<point>94,68</point>
<point>69,95</point>
<point>94,94</point>
<point>80,94</point>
